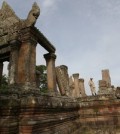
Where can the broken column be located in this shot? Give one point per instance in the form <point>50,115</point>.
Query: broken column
<point>51,75</point>
<point>76,82</point>
<point>82,87</point>
<point>62,79</point>
<point>1,71</point>
<point>106,77</point>
<point>71,87</point>
<point>103,84</point>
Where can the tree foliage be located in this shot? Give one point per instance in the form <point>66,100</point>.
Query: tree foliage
<point>41,69</point>
<point>43,77</point>
<point>4,83</point>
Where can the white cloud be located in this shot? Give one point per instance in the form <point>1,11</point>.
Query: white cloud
<point>48,3</point>
<point>48,6</point>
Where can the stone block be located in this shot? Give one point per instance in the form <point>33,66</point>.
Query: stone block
<point>103,83</point>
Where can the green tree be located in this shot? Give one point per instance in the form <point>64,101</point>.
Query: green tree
<point>42,70</point>
<point>4,83</point>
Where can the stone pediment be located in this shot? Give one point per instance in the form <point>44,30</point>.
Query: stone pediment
<point>6,12</point>
<point>10,24</point>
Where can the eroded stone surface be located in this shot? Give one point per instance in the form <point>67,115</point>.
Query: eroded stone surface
<point>82,87</point>
<point>63,79</point>
<point>18,40</point>
<point>10,24</point>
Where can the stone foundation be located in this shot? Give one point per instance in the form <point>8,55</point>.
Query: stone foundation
<point>37,114</point>
<point>44,114</point>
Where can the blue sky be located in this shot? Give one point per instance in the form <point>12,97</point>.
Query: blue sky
<point>86,34</point>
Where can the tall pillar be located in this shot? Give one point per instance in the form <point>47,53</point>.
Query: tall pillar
<point>27,63</point>
<point>66,78</point>
<point>82,87</point>
<point>76,82</point>
<point>1,71</point>
<point>71,87</point>
<point>62,79</point>
<point>51,75</point>
<point>106,77</point>
<point>13,65</point>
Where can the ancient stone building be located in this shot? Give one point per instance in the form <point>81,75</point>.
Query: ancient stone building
<point>24,110</point>
<point>18,40</point>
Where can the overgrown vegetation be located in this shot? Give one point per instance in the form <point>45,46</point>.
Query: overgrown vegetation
<point>4,84</point>
<point>43,78</point>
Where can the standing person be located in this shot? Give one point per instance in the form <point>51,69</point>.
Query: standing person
<point>92,86</point>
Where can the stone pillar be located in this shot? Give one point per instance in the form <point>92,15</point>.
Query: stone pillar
<point>13,65</point>
<point>62,79</point>
<point>1,71</point>
<point>103,85</point>
<point>66,78</point>
<point>51,75</point>
<point>76,82</point>
<point>106,77</point>
<point>37,78</point>
<point>82,87</point>
<point>27,63</point>
<point>71,86</point>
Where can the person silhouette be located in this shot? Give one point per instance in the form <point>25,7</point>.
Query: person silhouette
<point>92,86</point>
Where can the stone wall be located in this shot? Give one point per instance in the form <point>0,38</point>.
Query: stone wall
<point>45,114</point>
<point>38,114</point>
<point>99,115</point>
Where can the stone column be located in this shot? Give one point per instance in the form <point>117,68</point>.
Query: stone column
<point>106,77</point>
<point>1,71</point>
<point>37,78</point>
<point>51,75</point>
<point>71,87</point>
<point>82,87</point>
<point>76,82</point>
<point>66,78</point>
<point>62,79</point>
<point>103,85</point>
<point>13,65</point>
<point>27,63</point>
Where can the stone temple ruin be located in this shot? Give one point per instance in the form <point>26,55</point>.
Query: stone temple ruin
<point>105,86</point>
<point>18,40</point>
<point>24,110</point>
